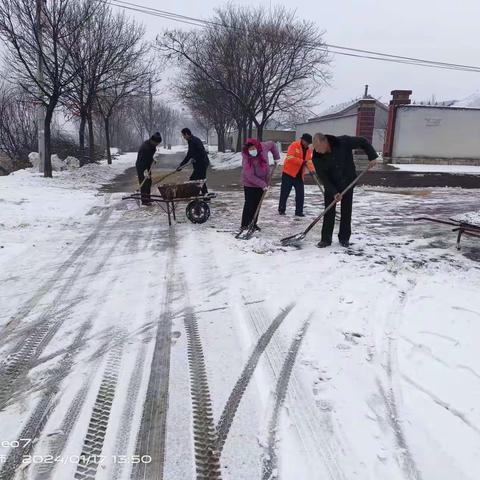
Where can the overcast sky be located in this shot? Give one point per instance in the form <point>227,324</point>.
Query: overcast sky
<point>441,30</point>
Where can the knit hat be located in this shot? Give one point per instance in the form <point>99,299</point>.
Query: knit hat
<point>307,137</point>
<point>156,137</point>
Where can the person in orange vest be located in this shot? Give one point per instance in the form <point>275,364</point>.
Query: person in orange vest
<point>299,157</point>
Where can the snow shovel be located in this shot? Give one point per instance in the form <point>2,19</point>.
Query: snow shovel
<point>295,240</point>
<point>320,186</point>
<point>317,180</point>
<point>161,179</point>
<point>246,234</point>
<point>158,180</point>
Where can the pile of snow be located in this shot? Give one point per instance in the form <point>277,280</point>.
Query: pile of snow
<point>58,164</point>
<point>72,162</point>
<point>231,160</point>
<point>115,151</point>
<point>33,206</point>
<point>225,161</point>
<point>426,168</point>
<point>34,159</point>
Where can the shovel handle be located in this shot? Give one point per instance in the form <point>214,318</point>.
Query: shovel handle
<point>257,211</point>
<point>161,179</point>
<point>334,202</point>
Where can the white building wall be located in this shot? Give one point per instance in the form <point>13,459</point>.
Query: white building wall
<point>336,126</point>
<point>437,132</point>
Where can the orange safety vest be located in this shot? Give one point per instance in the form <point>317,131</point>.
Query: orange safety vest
<point>294,159</point>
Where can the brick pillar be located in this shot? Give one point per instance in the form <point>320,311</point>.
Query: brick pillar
<point>399,97</point>
<point>366,118</point>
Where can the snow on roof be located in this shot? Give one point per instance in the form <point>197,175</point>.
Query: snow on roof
<point>472,101</point>
<point>341,107</point>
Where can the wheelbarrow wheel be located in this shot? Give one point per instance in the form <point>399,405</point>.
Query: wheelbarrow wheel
<point>198,211</point>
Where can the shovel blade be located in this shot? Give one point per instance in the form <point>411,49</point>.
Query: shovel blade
<point>293,241</point>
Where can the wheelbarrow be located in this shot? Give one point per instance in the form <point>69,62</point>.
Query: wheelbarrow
<point>197,209</point>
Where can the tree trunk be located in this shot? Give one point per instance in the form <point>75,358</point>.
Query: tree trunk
<point>91,137</point>
<point>250,129</point>
<point>47,172</point>
<point>259,131</point>
<point>238,146</point>
<point>221,138</point>
<point>81,137</point>
<point>106,122</point>
<point>244,132</point>
<point>81,131</point>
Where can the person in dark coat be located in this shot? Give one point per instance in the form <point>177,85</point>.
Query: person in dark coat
<point>198,155</point>
<point>333,161</point>
<point>144,165</point>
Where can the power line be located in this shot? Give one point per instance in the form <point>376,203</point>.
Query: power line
<point>328,48</point>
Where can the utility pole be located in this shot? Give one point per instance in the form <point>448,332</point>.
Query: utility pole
<point>40,108</point>
<point>150,107</point>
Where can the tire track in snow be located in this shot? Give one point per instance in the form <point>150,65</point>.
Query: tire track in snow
<point>404,456</point>
<point>26,352</point>
<point>97,428</point>
<point>241,385</point>
<point>126,418</point>
<point>152,430</point>
<point>41,413</point>
<point>28,307</point>
<point>44,409</point>
<point>315,428</point>
<point>57,443</point>
<point>270,460</point>
<point>207,458</point>
<point>460,415</point>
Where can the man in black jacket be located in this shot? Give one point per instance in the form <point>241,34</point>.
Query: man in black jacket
<point>333,162</point>
<point>144,165</point>
<point>197,154</point>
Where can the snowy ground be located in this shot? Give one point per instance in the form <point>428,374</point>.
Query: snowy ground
<point>126,341</point>
<point>230,160</point>
<point>422,168</point>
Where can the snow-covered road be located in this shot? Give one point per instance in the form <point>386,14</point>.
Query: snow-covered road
<point>130,350</point>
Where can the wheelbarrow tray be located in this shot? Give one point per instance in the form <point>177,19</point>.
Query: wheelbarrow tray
<point>462,228</point>
<point>183,190</point>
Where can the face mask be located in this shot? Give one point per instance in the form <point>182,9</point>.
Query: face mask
<point>253,152</point>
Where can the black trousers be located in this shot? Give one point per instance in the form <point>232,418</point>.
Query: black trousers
<point>147,185</point>
<point>287,183</point>
<point>253,196</point>
<point>345,219</point>
<point>199,173</point>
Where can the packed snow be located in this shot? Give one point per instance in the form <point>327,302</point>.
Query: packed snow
<point>347,364</point>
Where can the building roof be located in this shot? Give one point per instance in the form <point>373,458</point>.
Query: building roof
<point>472,101</point>
<point>342,108</point>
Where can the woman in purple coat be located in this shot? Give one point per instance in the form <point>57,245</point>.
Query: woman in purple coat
<point>255,175</point>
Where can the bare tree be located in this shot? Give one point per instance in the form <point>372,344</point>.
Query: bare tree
<point>210,105</point>
<point>110,63</point>
<point>63,25</point>
<point>18,128</point>
<point>162,117</point>
<point>267,62</point>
